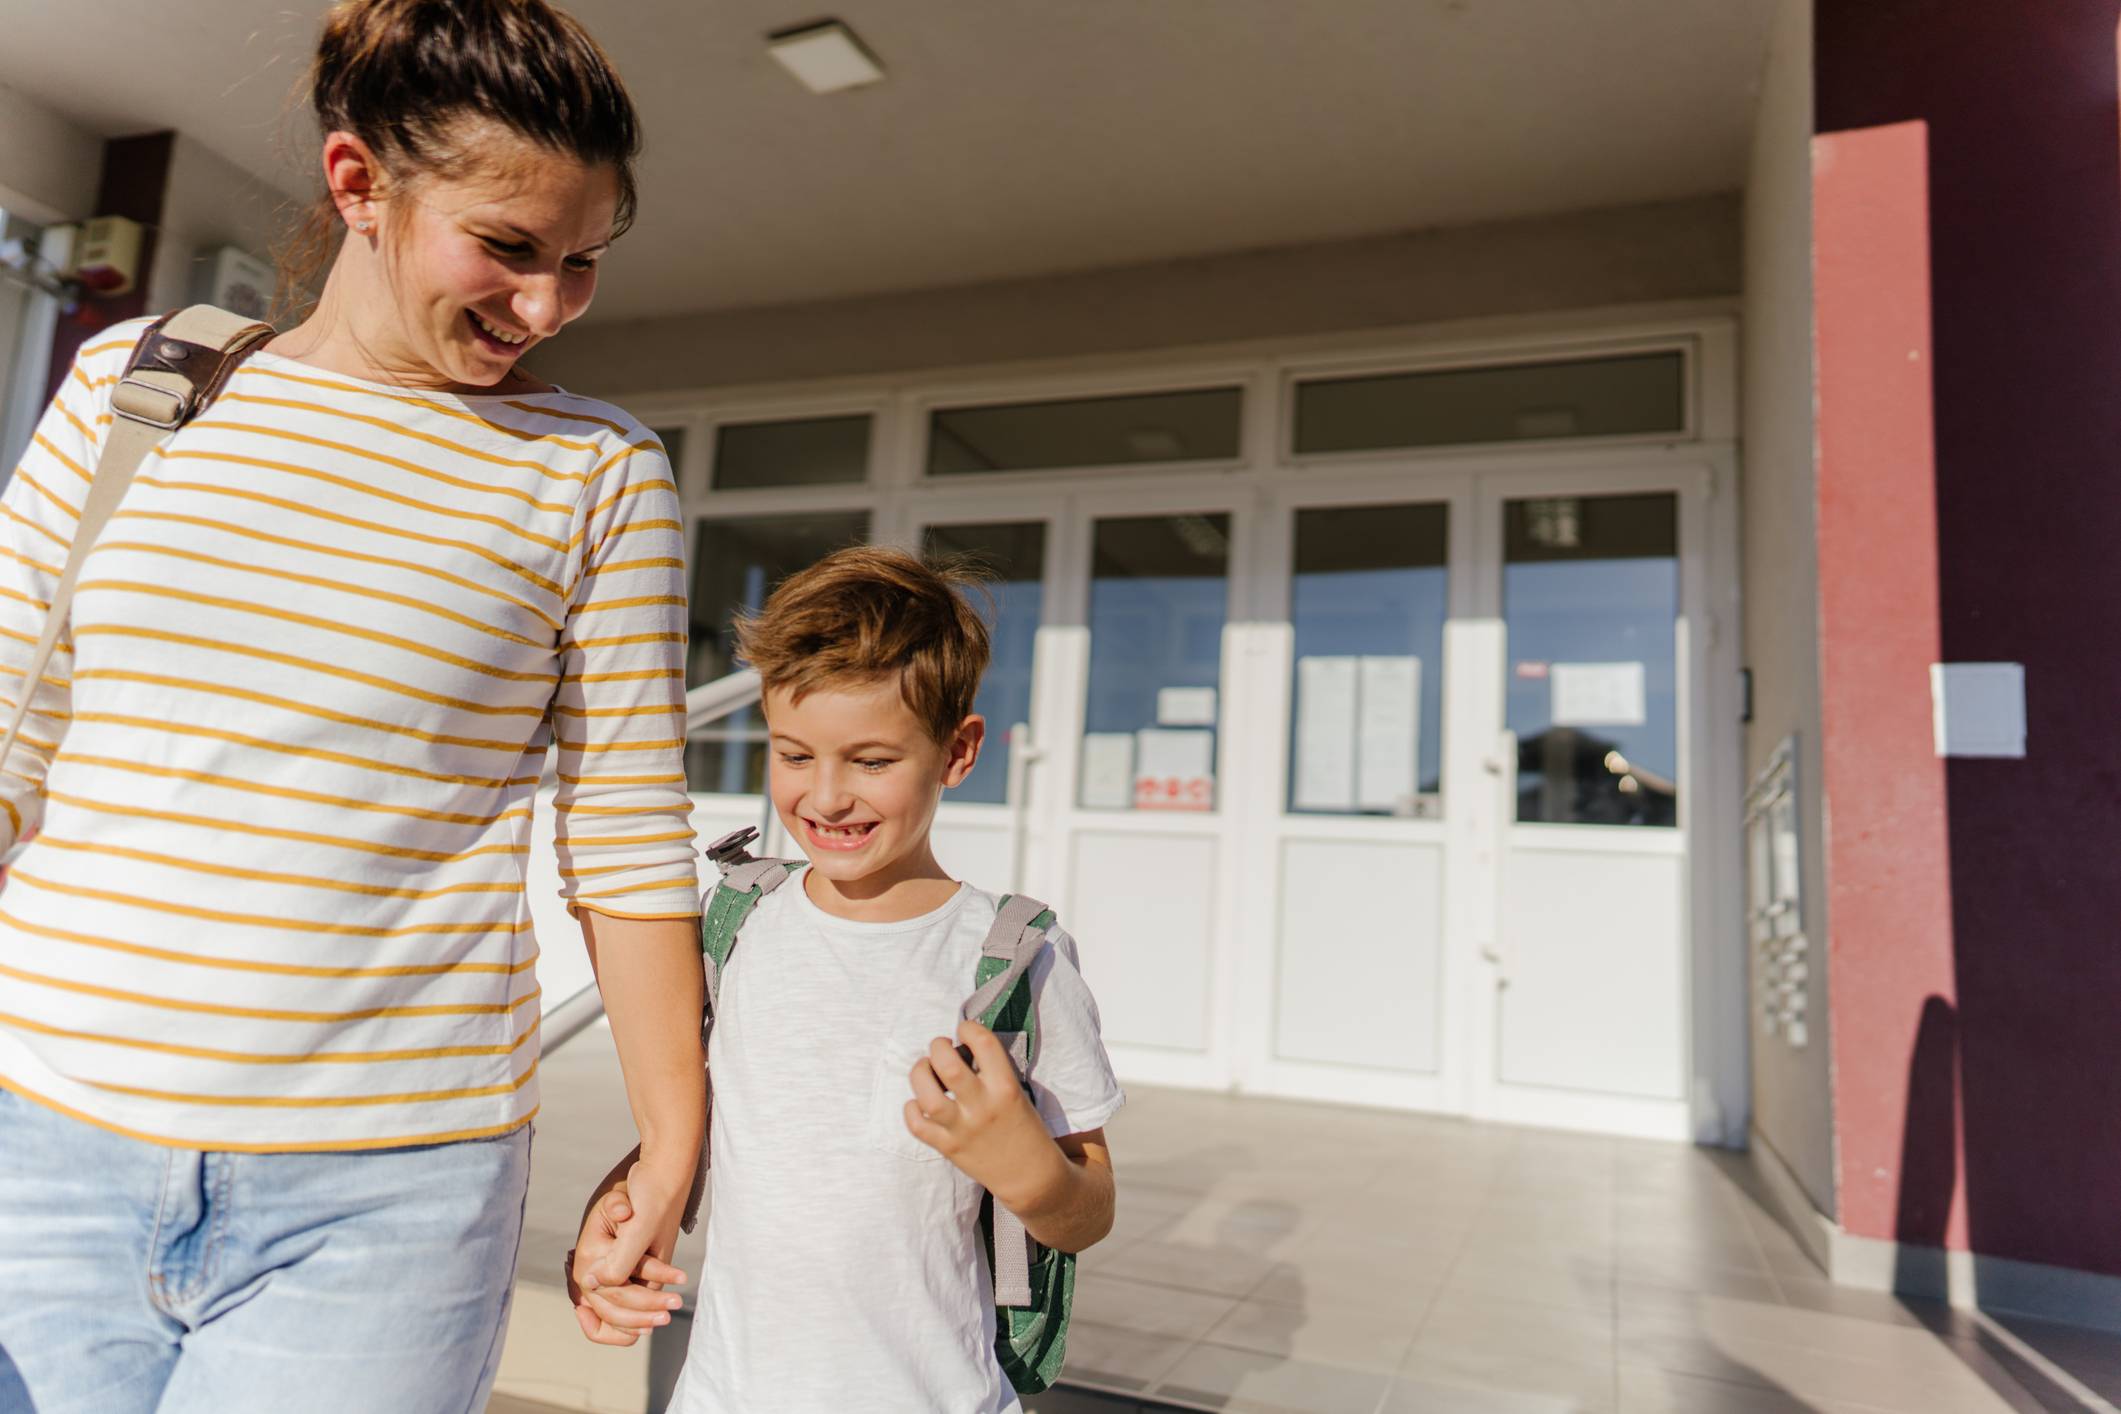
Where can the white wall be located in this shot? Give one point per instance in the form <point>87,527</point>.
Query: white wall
<point>1792,1096</point>
<point>1628,255</point>
<point>48,167</point>
<point>210,202</point>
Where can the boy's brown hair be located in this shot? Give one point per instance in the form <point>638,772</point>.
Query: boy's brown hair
<point>868,613</point>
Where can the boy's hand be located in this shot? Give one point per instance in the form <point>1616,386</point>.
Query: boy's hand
<point>978,1117</point>
<point>616,1314</point>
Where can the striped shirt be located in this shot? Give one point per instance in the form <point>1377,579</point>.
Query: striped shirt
<point>278,793</point>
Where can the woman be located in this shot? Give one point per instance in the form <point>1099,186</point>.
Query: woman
<point>268,1017</point>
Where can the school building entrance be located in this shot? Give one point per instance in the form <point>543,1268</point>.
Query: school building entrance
<point>1365,708</point>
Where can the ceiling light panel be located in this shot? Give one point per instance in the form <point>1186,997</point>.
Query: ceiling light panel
<point>826,57</point>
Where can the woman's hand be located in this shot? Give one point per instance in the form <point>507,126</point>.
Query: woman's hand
<point>616,1312</point>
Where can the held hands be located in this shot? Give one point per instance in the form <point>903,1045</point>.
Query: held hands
<point>978,1117</point>
<point>617,1272</point>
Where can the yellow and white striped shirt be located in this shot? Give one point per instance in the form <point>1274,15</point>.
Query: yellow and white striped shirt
<point>275,895</point>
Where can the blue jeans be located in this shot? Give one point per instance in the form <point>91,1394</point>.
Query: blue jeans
<point>138,1279</point>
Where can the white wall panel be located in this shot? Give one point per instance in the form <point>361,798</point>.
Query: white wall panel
<point>1359,954</point>
<point>1143,910</point>
<point>1595,996</point>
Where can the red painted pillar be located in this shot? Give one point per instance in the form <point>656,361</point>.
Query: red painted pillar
<point>1967,226</point>
<point>1888,858</point>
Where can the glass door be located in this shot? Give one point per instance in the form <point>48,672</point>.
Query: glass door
<point>1349,854</point>
<point>982,828</point>
<point>1582,850</point>
<point>1144,751</point>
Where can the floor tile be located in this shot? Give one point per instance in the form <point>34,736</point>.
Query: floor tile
<point>1467,1321</point>
<point>1164,1311</point>
<point>1221,1271</point>
<point>1645,1390</point>
<point>1540,1383</point>
<point>1343,1269</point>
<point>1411,1396</point>
<point>1358,1336</point>
<point>1219,1376</point>
<point>1107,1357</point>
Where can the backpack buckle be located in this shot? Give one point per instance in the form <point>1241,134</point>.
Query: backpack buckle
<point>729,849</point>
<point>139,401</point>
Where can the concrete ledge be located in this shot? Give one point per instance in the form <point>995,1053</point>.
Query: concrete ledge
<point>1966,1280</point>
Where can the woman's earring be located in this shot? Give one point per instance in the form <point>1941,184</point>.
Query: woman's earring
<point>361,226</point>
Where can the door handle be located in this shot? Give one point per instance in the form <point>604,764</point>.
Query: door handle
<point>1022,753</point>
<point>1503,767</point>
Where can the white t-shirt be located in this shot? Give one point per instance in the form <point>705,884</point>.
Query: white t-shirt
<point>844,1265</point>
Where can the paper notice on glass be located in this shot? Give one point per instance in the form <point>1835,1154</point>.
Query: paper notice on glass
<point>1108,771</point>
<point>1185,707</point>
<point>1325,733</point>
<point>1388,741</point>
<point>1174,770</point>
<point>1599,695</point>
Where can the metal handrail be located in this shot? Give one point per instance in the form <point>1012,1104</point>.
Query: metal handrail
<point>704,705</point>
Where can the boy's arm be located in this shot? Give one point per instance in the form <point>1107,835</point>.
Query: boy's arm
<point>978,1117</point>
<point>616,1315</point>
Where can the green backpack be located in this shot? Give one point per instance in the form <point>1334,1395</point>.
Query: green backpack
<point>1033,1285</point>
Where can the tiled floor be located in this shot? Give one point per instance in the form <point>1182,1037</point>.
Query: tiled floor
<point>1282,1257</point>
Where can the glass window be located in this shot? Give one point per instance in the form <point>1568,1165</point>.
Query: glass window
<point>1527,402</point>
<point>1590,599</point>
<point>1015,553</point>
<point>673,440</point>
<point>1117,431</point>
<point>1368,600</point>
<point>810,451</point>
<point>1158,597</point>
<point>736,562</point>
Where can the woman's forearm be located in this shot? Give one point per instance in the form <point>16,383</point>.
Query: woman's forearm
<point>649,973</point>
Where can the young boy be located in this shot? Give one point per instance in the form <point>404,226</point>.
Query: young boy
<point>850,1140</point>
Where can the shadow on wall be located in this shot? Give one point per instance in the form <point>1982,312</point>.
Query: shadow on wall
<point>2057,1365</point>
<point>2021,1073</point>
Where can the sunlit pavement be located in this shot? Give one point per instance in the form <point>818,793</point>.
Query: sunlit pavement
<point>1324,1260</point>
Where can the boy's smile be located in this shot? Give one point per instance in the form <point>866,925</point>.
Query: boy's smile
<point>855,778</point>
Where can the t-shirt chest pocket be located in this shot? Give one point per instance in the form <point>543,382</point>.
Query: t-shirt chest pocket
<point>920,1019</point>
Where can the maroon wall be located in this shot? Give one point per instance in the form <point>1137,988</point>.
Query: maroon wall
<point>134,183</point>
<point>2018,104</point>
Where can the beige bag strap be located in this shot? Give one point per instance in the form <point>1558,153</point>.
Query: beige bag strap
<point>176,369</point>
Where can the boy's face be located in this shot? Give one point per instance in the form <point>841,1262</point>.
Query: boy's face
<point>855,777</point>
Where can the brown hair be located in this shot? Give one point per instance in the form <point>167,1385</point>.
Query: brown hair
<point>869,613</point>
<point>405,75</point>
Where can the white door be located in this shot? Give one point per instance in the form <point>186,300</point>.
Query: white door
<point>1581,695</point>
<point>1132,820</point>
<point>1350,971</point>
<point>1462,801</point>
<point>983,829</point>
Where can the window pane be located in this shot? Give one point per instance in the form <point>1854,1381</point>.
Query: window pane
<point>1121,431</point>
<point>1603,397</point>
<point>1590,602</point>
<point>673,440</point>
<point>1368,600</point>
<point>811,451</point>
<point>735,565</point>
<point>1158,595</point>
<point>1016,554</point>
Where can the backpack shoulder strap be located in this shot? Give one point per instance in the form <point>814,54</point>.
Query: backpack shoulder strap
<point>1001,1001</point>
<point>997,1001</point>
<point>180,363</point>
<point>744,882</point>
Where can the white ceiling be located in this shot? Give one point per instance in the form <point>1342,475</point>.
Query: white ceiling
<point>1019,137</point>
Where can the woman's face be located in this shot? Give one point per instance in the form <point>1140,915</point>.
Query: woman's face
<point>480,269</point>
